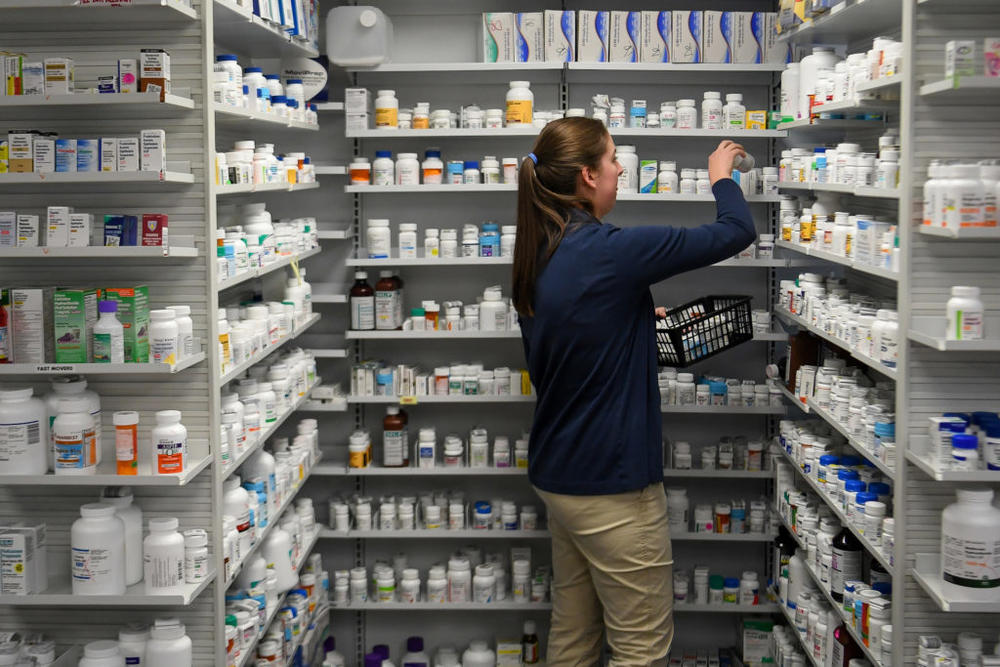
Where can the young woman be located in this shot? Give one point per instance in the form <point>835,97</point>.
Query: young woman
<point>581,288</point>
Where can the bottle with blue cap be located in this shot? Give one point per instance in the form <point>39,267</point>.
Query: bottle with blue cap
<point>415,656</point>
<point>964,452</point>
<point>470,173</point>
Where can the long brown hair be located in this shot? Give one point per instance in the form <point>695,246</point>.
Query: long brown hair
<point>546,192</point>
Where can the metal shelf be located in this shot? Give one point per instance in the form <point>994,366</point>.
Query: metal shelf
<point>102,369</point>
<point>839,608</point>
<point>342,470</point>
<point>873,193</point>
<point>328,353</point>
<point>238,370</point>
<point>743,68</point>
<point>329,106</point>
<point>330,170</point>
<point>442,606</point>
<point>790,618</point>
<point>431,335</point>
<point>962,90</point>
<point>848,21</point>
<point>828,256</point>
<point>238,27</point>
<point>237,116</point>
<point>827,124</point>
<point>720,537</point>
<point>969,234</point>
<point>248,188</point>
<point>531,131</point>
<point>455,399</point>
<point>696,473</point>
<point>873,364</point>
<point>340,232</point>
<point>440,534</point>
<point>930,331</point>
<point>916,454</point>
<point>428,189</point>
<point>60,594</point>
<point>262,271</point>
<point>416,68</point>
<point>103,253</point>
<point>106,476</point>
<point>927,573</point>
<point>109,181</point>
<point>724,409</point>
<point>110,106</point>
<point>329,293</point>
<point>825,415</point>
<point>421,260</point>
<point>670,197</point>
<point>70,15</point>
<point>336,405</point>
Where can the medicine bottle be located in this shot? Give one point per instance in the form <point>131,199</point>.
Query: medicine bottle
<point>688,184</point>
<point>616,114</point>
<point>383,169</point>
<point>628,181</point>
<point>432,243</point>
<point>169,440</point>
<point>846,566</point>
<point>409,586</point>
<point>962,197</point>
<point>386,110</point>
<point>168,644</point>
<point>74,439</point>
<point>24,433</point>
<point>103,653</point>
<point>132,643</point>
<point>408,240</point>
<point>484,584</point>
<point>362,303</point>
<point>395,446</point>
<point>236,503</point>
<point>162,337</point>
<point>965,314</point>
<point>120,497</point>
<point>965,452</point>
<point>734,113</point>
<point>520,103</point>
<point>195,555</point>
<point>385,301</point>
<point>163,558</point>
<point>970,559</point>
<point>407,169</point>
<point>422,116</point>
<point>109,335</point>
<point>703,186</point>
<point>667,181</point>
<point>687,115</point>
<point>711,111</point>
<point>668,114</point>
<point>97,543</point>
<point>449,243</point>
<point>379,239</point>
<point>491,170</point>
<point>470,173</point>
<point>437,583</point>
<point>508,236</point>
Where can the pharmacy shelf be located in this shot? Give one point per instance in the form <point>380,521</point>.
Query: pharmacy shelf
<point>431,335</point>
<point>102,369</point>
<point>456,132</point>
<point>856,107</point>
<point>334,232</point>
<point>968,234</point>
<point>60,594</point>
<point>250,188</point>
<point>871,363</point>
<point>790,619</point>
<point>674,132</point>
<point>856,445</point>
<point>441,534</point>
<point>694,68</point>
<point>239,369</point>
<point>876,552</point>
<point>237,116</point>
<point>266,433</point>
<point>724,409</point>
<point>343,470</point>
<point>238,27</point>
<point>106,475</point>
<point>454,399</point>
<point>962,90</point>
<point>334,405</point>
<point>696,473</point>
<point>475,67</point>
<point>771,337</point>
<point>52,15</point>
<point>103,253</point>
<point>261,271</point>
<point>117,106</point>
<point>917,454</point>
<point>828,256</point>
<point>930,331</point>
<point>329,293</point>
<point>421,260</point>
<point>848,622</point>
<point>791,531</point>
<point>880,85</point>
<point>671,197</point>
<point>828,124</point>
<point>927,573</point>
<point>328,353</point>
<point>330,170</point>
<point>109,181</point>
<point>793,398</point>
<point>848,21</point>
<point>756,263</point>
<point>428,189</point>
<point>872,193</point>
<point>694,608</point>
<point>504,605</point>
<point>720,537</point>
<point>329,106</point>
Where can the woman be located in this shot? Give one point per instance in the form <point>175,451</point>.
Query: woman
<point>581,288</point>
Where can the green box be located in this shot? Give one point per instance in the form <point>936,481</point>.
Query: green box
<point>74,314</point>
<point>133,313</point>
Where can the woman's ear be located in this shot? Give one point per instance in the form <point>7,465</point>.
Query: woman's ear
<point>588,178</point>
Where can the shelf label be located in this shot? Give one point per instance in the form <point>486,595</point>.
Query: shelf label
<point>103,3</point>
<point>407,400</point>
<point>51,368</point>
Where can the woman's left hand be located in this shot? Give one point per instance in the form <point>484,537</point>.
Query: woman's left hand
<point>661,312</point>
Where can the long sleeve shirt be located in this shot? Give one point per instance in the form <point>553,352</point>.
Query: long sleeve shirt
<point>591,346</point>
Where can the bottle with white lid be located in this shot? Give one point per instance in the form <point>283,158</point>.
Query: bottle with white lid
<point>408,240</point>
<point>169,440</point>
<point>407,169</point>
<point>667,180</point>
<point>508,236</point>
<point>687,115</point>
<point>688,184</point>
<point>236,503</point>
<point>520,103</point>
<point>24,433</point>
<point>628,180</point>
<point>132,643</point>
<point>386,110</point>
<point>711,111</point>
<point>492,311</point>
<point>790,92</point>
<point>102,653</point>
<point>379,239</point>
<point>163,333</point>
<point>108,335</point>
<point>459,580</point>
<point>121,498</point>
<point>74,386</point>
<point>169,645</point>
<point>970,559</point>
<point>734,113</point>
<point>703,185</point>
<point>965,314</point>
<point>73,436</point>
<point>185,328</point>
<point>97,544</point>
<point>163,558</point>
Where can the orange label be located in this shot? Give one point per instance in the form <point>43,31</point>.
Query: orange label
<point>387,117</point>
<point>421,123</point>
<point>169,457</point>
<point>519,111</point>
<point>126,449</point>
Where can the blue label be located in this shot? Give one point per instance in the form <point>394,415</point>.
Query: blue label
<point>632,26</point>
<point>568,31</point>
<point>726,26</point>
<point>522,52</point>
<point>694,25</point>
<point>757,27</point>
<point>663,29</point>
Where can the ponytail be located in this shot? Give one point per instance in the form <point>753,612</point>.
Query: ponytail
<point>546,193</point>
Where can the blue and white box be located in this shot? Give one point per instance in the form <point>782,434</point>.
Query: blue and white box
<point>109,154</point>
<point>775,51</point>
<point>560,36</point>
<point>65,155</point>
<point>685,36</point>
<point>592,36</point>
<point>88,155</point>
<point>625,37</point>
<point>529,39</point>
<point>498,37</point>
<point>715,48</point>
<point>746,37</point>
<point>654,37</point>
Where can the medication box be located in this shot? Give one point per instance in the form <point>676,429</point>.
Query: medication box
<point>154,229</point>
<point>529,40</point>
<point>133,313</point>
<point>31,321</point>
<point>498,37</point>
<point>38,537</point>
<point>121,230</point>
<point>65,155</point>
<point>625,37</point>
<point>756,120</point>
<point>592,36</point>
<point>27,231</point>
<point>17,564</point>
<point>44,149</point>
<point>13,68</point>
<point>57,226</point>
<point>79,229</point>
<point>8,229</point>
<point>107,84</point>
<point>775,51</point>
<point>33,79</point>
<point>58,76</point>
<point>960,58</point>
<point>357,100</point>
<point>560,36</point>
<point>745,34</point>
<point>74,314</point>
<point>991,56</point>
<point>685,36</point>
<point>128,75</point>
<point>109,154</point>
<point>154,150</point>
<point>87,155</point>
<point>654,37</point>
<point>128,153</point>
<point>508,652</point>
<point>154,72</point>
<point>715,48</point>
<point>20,149</point>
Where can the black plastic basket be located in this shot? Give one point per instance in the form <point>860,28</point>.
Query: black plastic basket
<point>703,328</point>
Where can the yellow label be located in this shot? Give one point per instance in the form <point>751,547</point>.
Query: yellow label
<point>387,117</point>
<point>847,245</point>
<point>226,355</point>
<point>519,111</point>
<point>525,383</point>
<point>421,123</point>
<point>786,233</point>
<point>805,231</point>
<point>407,400</point>
<point>756,120</point>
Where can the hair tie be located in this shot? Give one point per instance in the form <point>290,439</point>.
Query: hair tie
<point>534,158</point>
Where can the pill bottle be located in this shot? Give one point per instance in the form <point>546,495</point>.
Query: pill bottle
<point>520,103</point>
<point>734,113</point>
<point>470,173</point>
<point>965,452</point>
<point>163,558</point>
<point>422,116</point>
<point>169,441</point>
<point>484,584</point>
<point>687,115</point>
<point>677,509</point>
<point>628,181</point>
<point>494,119</point>
<point>407,169</point>
<point>962,197</point>
<point>668,114</point>
<point>616,114</point>
<point>711,111</point>
<point>196,564</point>
<point>103,653</point>
<point>386,110</point>
<point>509,166</point>
<point>163,333</point>
<point>455,170</point>
<point>459,580</point>
<point>437,583</point>
<point>168,645</point>
<point>521,580</point>
<point>703,186</point>
<point>491,170</point>
<point>965,314</point>
<point>97,543</point>
<point>132,643</point>
<point>379,239</point>
<point>383,169</point>
<point>120,497</point>
<point>24,433</point>
<point>970,531</point>
<point>688,184</point>
<point>409,586</point>
<point>73,435</point>
<point>666,180</point>
<point>731,590</point>
<point>440,119</point>
<point>408,240</point>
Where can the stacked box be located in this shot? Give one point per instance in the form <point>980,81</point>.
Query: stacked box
<point>625,37</point>
<point>715,47</point>
<point>686,36</point>
<point>654,44</point>
<point>592,36</point>
<point>74,314</point>
<point>530,37</point>
<point>560,36</point>
<point>31,320</point>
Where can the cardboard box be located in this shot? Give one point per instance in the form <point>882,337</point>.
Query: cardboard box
<point>31,322</point>
<point>746,36</point>
<point>560,36</point>
<point>775,51</point>
<point>28,235</point>
<point>8,229</point>
<point>128,75</point>
<point>44,149</point>
<point>991,56</point>
<point>74,313</point>
<point>153,144</point>
<point>20,147</point>
<point>625,37</point>
<point>960,58</point>
<point>13,73</point>
<point>88,155</point>
<point>38,535</point>
<point>57,226</point>
<point>508,652</point>
<point>6,338</point>
<point>654,39</point>
<point>33,78</point>
<point>715,48</point>
<point>17,564</point>
<point>4,156</point>
<point>109,154</point>
<point>121,230</point>
<point>133,313</point>
<point>154,229</point>
<point>757,633</point>
<point>154,72</point>
<point>59,76</point>
<point>756,120</point>
<point>529,38</point>
<point>498,37</point>
<point>685,36</point>
<point>357,100</point>
<point>592,36</point>
<point>128,153</point>
<point>356,121</point>
<point>79,229</point>
<point>65,155</point>
<point>107,84</point>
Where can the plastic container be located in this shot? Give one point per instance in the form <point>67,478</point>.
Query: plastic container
<point>132,643</point>
<point>120,497</point>
<point>169,443</point>
<point>236,503</point>
<point>74,437</point>
<point>360,36</point>
<point>163,332</point>
<point>379,239</point>
<point>97,546</point>
<point>168,645</point>
<point>407,169</point>
<point>520,103</point>
<point>711,111</point>
<point>386,110</point>
<point>109,335</point>
<point>628,180</point>
<point>965,314</point>
<point>24,433</point>
<point>970,531</point>
<point>432,167</point>
<point>103,653</point>
<point>163,558</point>
<point>479,654</point>
<point>383,169</point>
<point>185,329</point>
<point>74,386</point>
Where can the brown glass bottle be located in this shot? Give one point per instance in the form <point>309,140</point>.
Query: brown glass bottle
<point>385,301</point>
<point>362,303</point>
<point>395,444</point>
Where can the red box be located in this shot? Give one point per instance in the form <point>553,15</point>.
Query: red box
<point>154,229</point>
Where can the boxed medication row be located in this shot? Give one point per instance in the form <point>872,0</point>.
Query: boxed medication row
<point>30,151</point>
<point>678,36</point>
<point>149,73</point>
<point>62,227</point>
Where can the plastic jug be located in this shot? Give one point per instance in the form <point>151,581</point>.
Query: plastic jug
<point>358,36</point>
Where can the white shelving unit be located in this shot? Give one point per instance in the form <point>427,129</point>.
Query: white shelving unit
<point>828,256</point>
<point>103,369</point>
<point>102,253</point>
<point>871,363</point>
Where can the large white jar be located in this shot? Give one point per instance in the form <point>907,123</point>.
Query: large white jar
<point>97,551</point>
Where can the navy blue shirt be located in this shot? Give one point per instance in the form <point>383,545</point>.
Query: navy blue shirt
<point>591,346</point>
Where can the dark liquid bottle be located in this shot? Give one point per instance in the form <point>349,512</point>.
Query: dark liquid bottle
<point>362,303</point>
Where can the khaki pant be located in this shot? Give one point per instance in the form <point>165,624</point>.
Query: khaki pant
<point>613,571</point>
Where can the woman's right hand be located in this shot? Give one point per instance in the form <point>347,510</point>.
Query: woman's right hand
<point>720,163</point>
